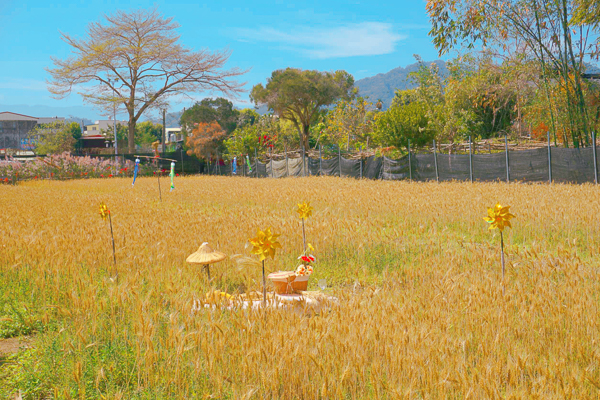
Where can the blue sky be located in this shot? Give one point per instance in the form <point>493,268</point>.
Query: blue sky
<point>362,37</point>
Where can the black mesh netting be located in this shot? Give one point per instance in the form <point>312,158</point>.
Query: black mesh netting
<point>568,165</point>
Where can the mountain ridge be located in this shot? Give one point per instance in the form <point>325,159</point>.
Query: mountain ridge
<point>384,85</point>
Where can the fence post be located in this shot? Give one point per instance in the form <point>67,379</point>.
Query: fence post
<point>182,170</point>
<point>272,170</point>
<point>507,164</point>
<point>437,174</point>
<point>255,162</point>
<point>409,163</point>
<point>340,160</point>
<point>471,159</point>
<point>549,160</point>
<point>595,157</point>
<point>320,160</point>
<point>361,167</point>
<point>287,166</point>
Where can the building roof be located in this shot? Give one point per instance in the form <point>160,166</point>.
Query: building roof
<point>10,116</point>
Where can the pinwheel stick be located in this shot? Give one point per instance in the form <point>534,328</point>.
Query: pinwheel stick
<point>303,235</point>
<point>112,236</point>
<point>502,260</point>
<point>264,284</point>
<point>207,268</point>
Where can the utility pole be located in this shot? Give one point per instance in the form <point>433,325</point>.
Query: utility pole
<point>115,129</point>
<point>114,81</point>
<point>164,132</point>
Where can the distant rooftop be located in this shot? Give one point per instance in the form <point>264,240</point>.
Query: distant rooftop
<point>11,116</point>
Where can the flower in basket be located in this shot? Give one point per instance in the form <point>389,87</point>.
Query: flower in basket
<point>307,259</point>
<point>301,270</point>
<point>305,268</point>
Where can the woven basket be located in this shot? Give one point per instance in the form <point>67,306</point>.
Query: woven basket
<point>286,282</point>
<point>300,284</point>
<point>282,281</point>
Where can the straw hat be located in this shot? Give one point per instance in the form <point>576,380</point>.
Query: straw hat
<point>205,255</point>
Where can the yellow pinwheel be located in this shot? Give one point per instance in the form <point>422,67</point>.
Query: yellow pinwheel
<point>104,211</point>
<point>264,245</point>
<point>304,210</point>
<point>499,217</point>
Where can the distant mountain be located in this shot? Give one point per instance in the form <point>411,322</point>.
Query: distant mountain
<point>591,68</point>
<point>383,86</point>
<point>82,112</point>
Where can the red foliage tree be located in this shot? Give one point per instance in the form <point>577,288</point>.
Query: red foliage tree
<point>205,140</point>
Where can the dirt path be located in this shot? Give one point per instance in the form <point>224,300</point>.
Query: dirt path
<point>13,345</point>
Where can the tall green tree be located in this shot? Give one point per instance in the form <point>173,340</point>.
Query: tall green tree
<point>448,114</point>
<point>297,95</point>
<point>551,30</point>
<point>134,60</point>
<point>147,132</point>
<point>347,121</point>
<point>405,120</point>
<point>55,137</point>
<point>210,110</point>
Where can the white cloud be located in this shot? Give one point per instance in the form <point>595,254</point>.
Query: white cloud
<point>362,39</point>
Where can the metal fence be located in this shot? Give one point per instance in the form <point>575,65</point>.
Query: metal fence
<point>551,164</point>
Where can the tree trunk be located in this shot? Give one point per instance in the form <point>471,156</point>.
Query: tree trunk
<point>131,134</point>
<point>305,133</point>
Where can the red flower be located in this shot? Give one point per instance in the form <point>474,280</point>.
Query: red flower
<point>125,169</point>
<point>85,173</point>
<point>163,170</point>
<point>5,179</point>
<point>52,174</point>
<point>307,259</point>
<point>110,176</point>
<point>101,175</point>
<point>36,177</point>
<point>176,174</point>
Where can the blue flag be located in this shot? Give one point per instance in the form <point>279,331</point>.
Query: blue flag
<point>135,170</point>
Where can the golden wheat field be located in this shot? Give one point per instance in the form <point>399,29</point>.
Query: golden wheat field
<point>421,313</point>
